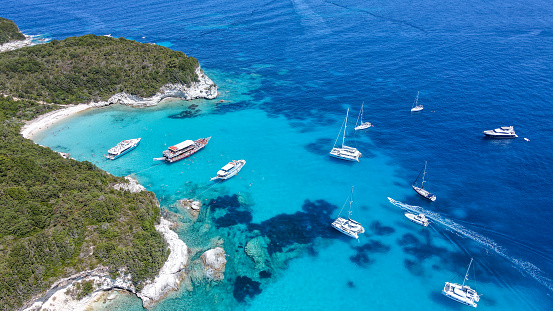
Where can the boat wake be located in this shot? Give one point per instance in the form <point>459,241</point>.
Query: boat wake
<point>522,265</point>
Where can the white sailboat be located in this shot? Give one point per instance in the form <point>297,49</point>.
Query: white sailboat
<point>416,107</point>
<point>362,125</point>
<point>345,152</point>
<point>462,293</point>
<point>420,190</point>
<point>348,226</point>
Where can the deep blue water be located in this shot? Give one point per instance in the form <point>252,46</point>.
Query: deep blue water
<point>289,70</point>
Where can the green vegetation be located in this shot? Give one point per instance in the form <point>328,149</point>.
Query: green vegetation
<point>9,31</point>
<point>60,216</point>
<point>92,68</point>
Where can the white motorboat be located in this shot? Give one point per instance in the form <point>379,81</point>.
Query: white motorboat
<point>230,169</point>
<point>502,132</point>
<point>348,226</point>
<point>362,125</point>
<point>416,107</point>
<point>420,190</point>
<point>345,152</point>
<point>462,293</point>
<point>418,219</point>
<point>122,148</point>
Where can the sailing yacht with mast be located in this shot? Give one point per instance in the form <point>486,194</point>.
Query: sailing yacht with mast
<point>462,293</point>
<point>348,226</point>
<point>362,125</point>
<point>416,107</point>
<point>345,152</point>
<point>420,190</point>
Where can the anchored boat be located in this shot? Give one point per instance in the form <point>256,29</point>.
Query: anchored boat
<point>502,132</point>
<point>362,125</point>
<point>122,148</point>
<point>416,107</point>
<point>348,226</point>
<point>183,150</point>
<point>346,152</point>
<point>230,169</point>
<point>462,293</point>
<point>420,190</point>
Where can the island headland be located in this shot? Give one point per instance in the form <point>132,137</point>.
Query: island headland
<point>68,230</point>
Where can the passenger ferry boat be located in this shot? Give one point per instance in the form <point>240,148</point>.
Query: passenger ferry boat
<point>122,148</point>
<point>229,170</point>
<point>183,150</point>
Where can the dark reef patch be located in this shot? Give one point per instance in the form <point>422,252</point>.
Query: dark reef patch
<point>224,202</point>
<point>415,267</point>
<point>362,259</point>
<point>301,227</point>
<point>265,274</point>
<point>233,215</point>
<point>222,108</point>
<point>245,287</point>
<point>320,147</point>
<point>350,284</point>
<point>378,229</point>
<point>190,112</point>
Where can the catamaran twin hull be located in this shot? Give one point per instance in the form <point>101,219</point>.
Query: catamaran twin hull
<point>346,153</point>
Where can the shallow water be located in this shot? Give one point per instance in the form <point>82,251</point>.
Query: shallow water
<point>287,72</point>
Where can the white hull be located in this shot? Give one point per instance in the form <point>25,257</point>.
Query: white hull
<point>230,170</point>
<point>122,148</point>
<point>346,153</point>
<point>348,227</point>
<point>461,293</point>
<point>425,194</point>
<point>418,108</point>
<point>502,132</point>
<point>363,126</point>
<point>418,219</point>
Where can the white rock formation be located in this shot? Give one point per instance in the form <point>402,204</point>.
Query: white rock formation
<point>12,45</point>
<point>133,186</point>
<point>214,263</point>
<point>59,297</point>
<point>171,273</point>
<point>205,88</point>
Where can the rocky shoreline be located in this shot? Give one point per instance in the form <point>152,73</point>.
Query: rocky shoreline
<point>13,45</point>
<point>205,88</point>
<point>65,293</point>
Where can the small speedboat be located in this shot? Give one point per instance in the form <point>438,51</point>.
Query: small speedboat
<point>418,219</point>
<point>502,132</point>
<point>230,169</point>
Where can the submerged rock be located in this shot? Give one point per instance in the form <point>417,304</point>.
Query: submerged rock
<point>214,263</point>
<point>256,248</point>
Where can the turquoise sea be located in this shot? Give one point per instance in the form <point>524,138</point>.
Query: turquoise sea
<point>287,71</point>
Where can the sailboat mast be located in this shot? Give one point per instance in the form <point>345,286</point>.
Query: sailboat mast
<point>345,128</point>
<point>350,202</point>
<point>362,112</point>
<point>422,186</point>
<point>467,274</point>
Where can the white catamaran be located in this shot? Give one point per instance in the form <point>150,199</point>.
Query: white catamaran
<point>362,125</point>
<point>416,107</point>
<point>348,226</point>
<point>462,293</point>
<point>420,190</point>
<point>346,152</point>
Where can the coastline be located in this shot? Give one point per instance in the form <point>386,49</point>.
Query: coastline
<point>13,45</point>
<point>205,88</point>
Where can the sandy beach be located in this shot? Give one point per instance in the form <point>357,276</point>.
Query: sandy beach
<point>44,121</point>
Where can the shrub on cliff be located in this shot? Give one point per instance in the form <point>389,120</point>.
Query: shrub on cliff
<point>61,216</point>
<point>9,31</point>
<point>92,68</point>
